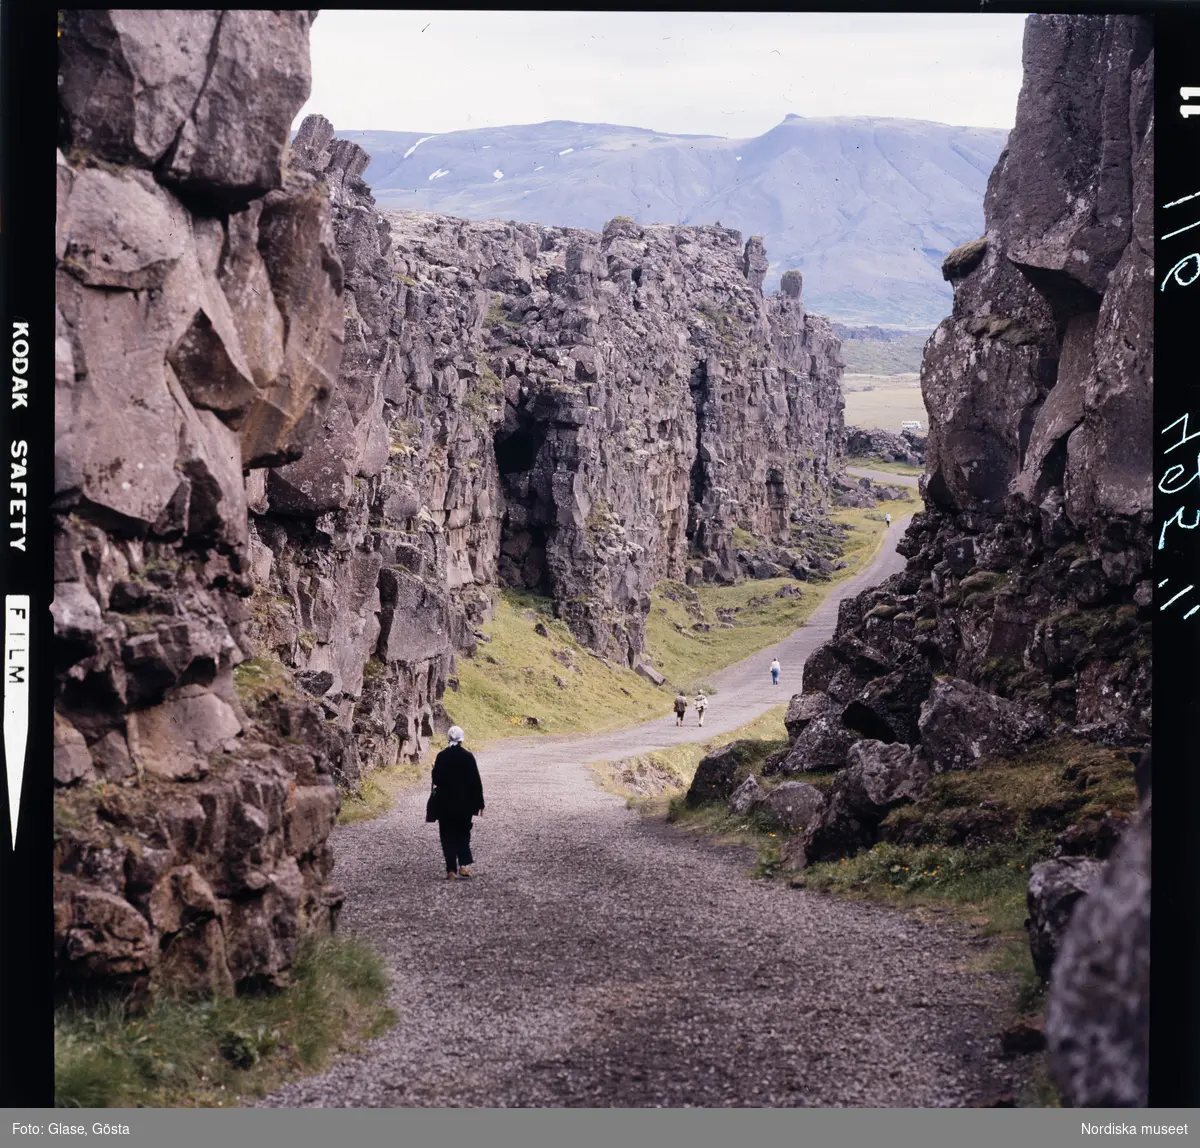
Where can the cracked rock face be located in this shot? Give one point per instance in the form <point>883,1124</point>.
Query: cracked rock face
<point>1024,609</point>
<point>643,398</point>
<point>1028,574</point>
<point>198,323</point>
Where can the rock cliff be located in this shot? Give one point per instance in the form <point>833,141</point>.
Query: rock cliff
<point>1024,610</point>
<point>572,414</point>
<point>300,444</point>
<point>199,330</point>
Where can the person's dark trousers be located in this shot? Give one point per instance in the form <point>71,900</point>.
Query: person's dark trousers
<point>456,843</point>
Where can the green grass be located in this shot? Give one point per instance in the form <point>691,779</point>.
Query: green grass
<point>883,401</point>
<point>519,674</point>
<point>890,467</point>
<point>513,677</point>
<point>258,679</point>
<point>686,655</point>
<point>377,792</point>
<point>210,1053</point>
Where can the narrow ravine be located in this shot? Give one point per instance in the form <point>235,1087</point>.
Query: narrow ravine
<point>601,959</point>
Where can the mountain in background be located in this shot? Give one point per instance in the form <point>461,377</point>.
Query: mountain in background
<point>867,208</point>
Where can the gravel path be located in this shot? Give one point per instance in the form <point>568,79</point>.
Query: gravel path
<point>602,959</point>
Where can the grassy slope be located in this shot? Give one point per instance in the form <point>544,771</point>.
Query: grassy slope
<point>889,467</point>
<point>884,356</point>
<point>513,676</point>
<point>212,1053</point>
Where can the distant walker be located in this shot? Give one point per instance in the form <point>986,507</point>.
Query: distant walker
<point>775,672</point>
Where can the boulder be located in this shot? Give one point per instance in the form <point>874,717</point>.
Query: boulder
<point>720,773</point>
<point>230,148</point>
<point>649,673</point>
<point>129,78</point>
<point>1055,887</point>
<point>961,723</point>
<point>1097,1011</point>
<point>174,740</point>
<point>792,805</point>
<point>100,936</point>
<point>822,743</point>
<point>802,709</point>
<point>877,778</point>
<point>746,797</point>
<point>72,761</point>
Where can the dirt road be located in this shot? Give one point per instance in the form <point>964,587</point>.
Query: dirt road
<point>599,958</point>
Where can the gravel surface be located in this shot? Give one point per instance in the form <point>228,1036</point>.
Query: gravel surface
<point>599,958</point>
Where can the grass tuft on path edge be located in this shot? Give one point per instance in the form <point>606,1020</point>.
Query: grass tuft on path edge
<point>213,1052</point>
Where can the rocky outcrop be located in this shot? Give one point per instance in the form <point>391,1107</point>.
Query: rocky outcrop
<point>849,491</point>
<point>877,778</point>
<point>1028,574</point>
<point>868,442</point>
<point>375,553</point>
<point>1025,606</point>
<point>527,406</point>
<point>643,397</point>
<point>199,325</point>
<point>1098,1010</point>
<point>300,445</point>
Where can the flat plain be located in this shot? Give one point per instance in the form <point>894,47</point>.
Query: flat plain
<point>884,401</point>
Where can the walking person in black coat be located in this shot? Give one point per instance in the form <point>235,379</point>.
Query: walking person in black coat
<point>457,797</point>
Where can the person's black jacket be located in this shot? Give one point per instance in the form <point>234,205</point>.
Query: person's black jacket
<point>459,787</point>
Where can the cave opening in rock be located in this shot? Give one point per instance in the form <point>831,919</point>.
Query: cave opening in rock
<point>524,528</point>
<point>864,720</point>
<point>517,450</point>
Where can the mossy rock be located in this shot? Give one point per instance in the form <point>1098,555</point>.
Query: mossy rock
<point>964,259</point>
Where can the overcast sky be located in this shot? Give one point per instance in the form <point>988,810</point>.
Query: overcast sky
<point>706,73</point>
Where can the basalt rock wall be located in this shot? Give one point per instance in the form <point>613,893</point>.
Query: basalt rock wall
<point>300,445</point>
<point>199,332</point>
<point>1028,572</point>
<point>572,414</point>
<point>1025,607</point>
<point>643,397</point>
<point>375,554</point>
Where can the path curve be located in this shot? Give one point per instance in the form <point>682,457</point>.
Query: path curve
<point>599,958</point>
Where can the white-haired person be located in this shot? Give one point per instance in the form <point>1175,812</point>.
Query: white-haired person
<point>457,797</point>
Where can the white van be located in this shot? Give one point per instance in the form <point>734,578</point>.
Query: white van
<point>910,424</point>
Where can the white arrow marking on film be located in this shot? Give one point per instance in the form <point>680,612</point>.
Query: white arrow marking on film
<point>16,699</point>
